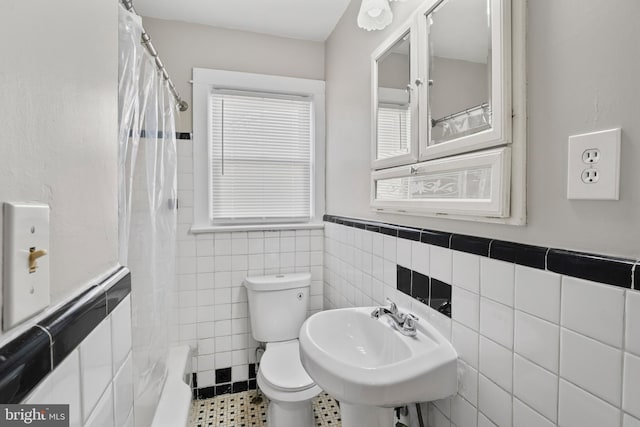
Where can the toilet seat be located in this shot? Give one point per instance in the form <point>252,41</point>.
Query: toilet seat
<point>281,369</point>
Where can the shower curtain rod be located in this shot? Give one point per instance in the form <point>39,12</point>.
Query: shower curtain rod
<point>146,42</point>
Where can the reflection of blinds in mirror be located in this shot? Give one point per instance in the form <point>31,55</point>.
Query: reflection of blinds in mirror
<point>260,157</point>
<point>394,130</point>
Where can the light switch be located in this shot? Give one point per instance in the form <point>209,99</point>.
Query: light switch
<point>26,261</point>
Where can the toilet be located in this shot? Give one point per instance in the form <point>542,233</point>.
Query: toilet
<point>277,307</point>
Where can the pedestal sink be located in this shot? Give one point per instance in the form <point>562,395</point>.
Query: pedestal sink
<point>371,368</point>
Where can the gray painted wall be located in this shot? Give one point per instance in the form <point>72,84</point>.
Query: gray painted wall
<point>59,113</point>
<point>583,65</point>
<point>183,46</point>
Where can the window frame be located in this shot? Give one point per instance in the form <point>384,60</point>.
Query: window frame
<point>204,82</point>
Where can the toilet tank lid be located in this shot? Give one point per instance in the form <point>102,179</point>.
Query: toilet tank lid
<point>277,282</point>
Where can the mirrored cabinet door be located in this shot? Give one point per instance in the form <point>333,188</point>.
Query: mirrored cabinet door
<point>395,103</point>
<point>465,58</point>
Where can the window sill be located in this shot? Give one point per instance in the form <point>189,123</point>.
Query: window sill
<point>201,229</point>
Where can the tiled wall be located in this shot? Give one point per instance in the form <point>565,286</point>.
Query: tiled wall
<point>96,378</point>
<point>536,348</point>
<point>211,310</point>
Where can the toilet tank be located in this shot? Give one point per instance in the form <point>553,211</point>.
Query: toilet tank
<point>278,305</point>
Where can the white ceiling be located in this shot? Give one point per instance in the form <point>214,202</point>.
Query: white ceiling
<point>300,19</point>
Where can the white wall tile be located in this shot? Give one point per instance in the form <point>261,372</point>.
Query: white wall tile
<point>632,327</point>
<point>123,392</point>
<point>631,391</point>
<point>496,322</point>
<point>577,408</point>
<point>497,280</point>
<point>102,415</point>
<point>496,363</point>
<point>629,421</point>
<point>440,263</point>
<point>483,421</point>
<point>494,402</point>
<point>121,332</point>
<point>593,309</point>
<point>537,340</point>
<point>538,293</point>
<point>444,405</point>
<point>591,365</point>
<point>436,418</point>
<point>403,251</point>
<point>466,271</point>
<point>389,246</point>
<point>61,387</point>
<point>524,416</point>
<point>95,365</point>
<point>465,341</point>
<point>536,387</point>
<point>463,413</point>
<point>420,257</point>
<point>468,382</point>
<point>465,307</point>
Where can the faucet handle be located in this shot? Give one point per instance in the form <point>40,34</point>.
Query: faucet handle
<point>393,307</point>
<point>409,325</point>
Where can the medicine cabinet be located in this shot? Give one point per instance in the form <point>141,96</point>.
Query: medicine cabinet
<point>448,113</point>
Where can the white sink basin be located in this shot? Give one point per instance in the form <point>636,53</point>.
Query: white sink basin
<point>361,360</point>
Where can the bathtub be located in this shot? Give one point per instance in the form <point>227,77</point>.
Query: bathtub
<point>175,400</point>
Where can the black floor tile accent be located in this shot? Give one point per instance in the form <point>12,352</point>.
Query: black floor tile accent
<point>240,386</point>
<point>252,371</point>
<point>223,389</point>
<point>223,375</point>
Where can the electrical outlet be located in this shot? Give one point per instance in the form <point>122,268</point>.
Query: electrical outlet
<point>593,171</point>
<point>590,156</point>
<point>590,176</point>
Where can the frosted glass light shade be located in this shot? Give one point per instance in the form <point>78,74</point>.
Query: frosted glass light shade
<point>374,14</point>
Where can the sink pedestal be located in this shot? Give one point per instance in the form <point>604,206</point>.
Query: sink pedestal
<point>361,415</point>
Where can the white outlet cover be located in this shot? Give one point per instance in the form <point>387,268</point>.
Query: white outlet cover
<point>26,225</point>
<point>607,186</point>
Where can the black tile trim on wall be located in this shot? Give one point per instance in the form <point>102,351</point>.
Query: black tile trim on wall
<point>223,383</point>
<point>27,359</point>
<point>598,268</point>
<point>425,289</point>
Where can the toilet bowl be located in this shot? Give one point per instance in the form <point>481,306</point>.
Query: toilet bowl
<point>287,385</point>
<point>278,306</point>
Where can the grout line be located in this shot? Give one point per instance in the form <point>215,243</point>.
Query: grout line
<point>633,275</point>
<point>560,340</point>
<point>46,331</point>
<point>546,255</point>
<point>490,245</point>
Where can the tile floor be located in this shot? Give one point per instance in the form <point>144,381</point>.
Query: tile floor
<point>236,410</point>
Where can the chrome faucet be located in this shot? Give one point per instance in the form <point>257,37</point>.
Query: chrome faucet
<point>405,323</point>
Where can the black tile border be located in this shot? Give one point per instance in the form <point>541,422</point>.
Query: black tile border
<point>223,383</point>
<point>32,355</point>
<point>613,271</point>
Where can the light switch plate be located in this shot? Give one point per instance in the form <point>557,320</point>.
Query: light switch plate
<point>25,292</point>
<point>593,169</point>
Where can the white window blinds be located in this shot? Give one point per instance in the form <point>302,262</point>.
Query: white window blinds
<point>260,151</point>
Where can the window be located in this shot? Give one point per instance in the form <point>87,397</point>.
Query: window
<point>258,150</point>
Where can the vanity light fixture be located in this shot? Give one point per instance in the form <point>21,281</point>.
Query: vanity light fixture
<point>374,14</point>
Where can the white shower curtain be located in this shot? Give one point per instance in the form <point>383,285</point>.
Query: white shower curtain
<point>147,209</point>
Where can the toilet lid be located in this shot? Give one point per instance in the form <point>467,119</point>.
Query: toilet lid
<point>281,368</point>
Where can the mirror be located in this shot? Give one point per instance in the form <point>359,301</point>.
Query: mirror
<point>393,124</point>
<point>459,93</point>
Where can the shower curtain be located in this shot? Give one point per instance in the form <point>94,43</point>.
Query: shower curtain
<point>147,209</point>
